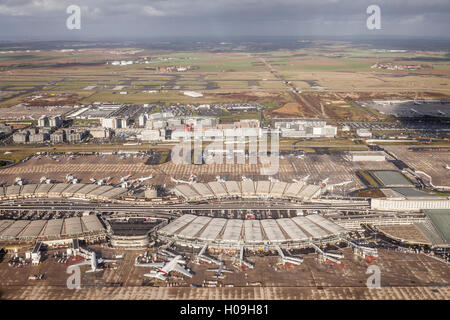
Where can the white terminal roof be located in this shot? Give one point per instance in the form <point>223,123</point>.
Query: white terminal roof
<point>203,190</point>
<point>233,230</point>
<point>194,227</point>
<point>14,229</point>
<point>237,232</point>
<point>71,189</point>
<point>252,231</point>
<point>177,224</point>
<point>213,229</point>
<point>262,188</point>
<point>248,188</point>
<point>99,190</point>
<point>43,188</point>
<point>58,188</point>
<point>33,229</point>
<point>86,189</point>
<point>277,189</point>
<point>113,193</point>
<point>293,189</point>
<point>13,190</point>
<point>29,189</point>
<point>293,230</point>
<point>72,226</point>
<point>53,228</point>
<point>314,230</point>
<point>92,223</point>
<point>233,188</point>
<point>5,224</point>
<point>326,224</point>
<point>308,192</point>
<point>272,230</point>
<point>218,189</point>
<point>187,191</point>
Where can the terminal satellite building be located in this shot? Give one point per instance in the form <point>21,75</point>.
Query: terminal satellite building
<point>195,231</point>
<point>247,189</point>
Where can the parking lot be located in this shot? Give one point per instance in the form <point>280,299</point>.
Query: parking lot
<point>432,163</point>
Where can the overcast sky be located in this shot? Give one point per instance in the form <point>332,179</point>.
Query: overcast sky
<point>141,19</point>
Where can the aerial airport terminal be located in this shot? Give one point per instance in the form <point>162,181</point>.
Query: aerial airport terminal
<point>278,168</point>
<point>203,230</point>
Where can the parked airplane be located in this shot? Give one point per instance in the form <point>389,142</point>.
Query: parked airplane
<point>220,270</point>
<point>219,179</point>
<point>181,181</point>
<point>94,262</point>
<point>273,179</point>
<point>144,178</point>
<point>302,180</point>
<point>125,178</point>
<point>103,181</point>
<point>162,269</point>
<point>244,178</point>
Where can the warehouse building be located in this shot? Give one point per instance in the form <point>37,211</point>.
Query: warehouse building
<point>304,128</point>
<point>409,199</point>
<point>367,156</point>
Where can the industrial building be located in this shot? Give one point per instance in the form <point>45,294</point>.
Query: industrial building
<point>367,155</point>
<point>247,189</point>
<point>409,199</point>
<point>304,128</point>
<point>49,121</point>
<point>191,230</point>
<point>364,133</point>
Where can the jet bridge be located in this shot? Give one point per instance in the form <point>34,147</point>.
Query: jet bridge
<point>288,259</point>
<point>361,250</point>
<point>241,260</point>
<point>330,256</point>
<point>201,256</point>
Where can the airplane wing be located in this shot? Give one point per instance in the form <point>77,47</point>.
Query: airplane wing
<point>213,270</point>
<point>182,270</point>
<point>155,275</point>
<point>153,264</point>
<point>96,270</point>
<point>106,260</point>
<point>84,263</point>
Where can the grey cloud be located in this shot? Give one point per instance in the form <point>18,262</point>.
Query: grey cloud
<point>140,18</point>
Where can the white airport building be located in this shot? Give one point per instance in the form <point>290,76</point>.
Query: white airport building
<point>195,231</point>
<point>247,190</point>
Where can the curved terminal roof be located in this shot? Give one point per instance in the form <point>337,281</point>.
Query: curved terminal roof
<point>49,229</point>
<point>51,190</point>
<point>247,189</point>
<point>235,232</point>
